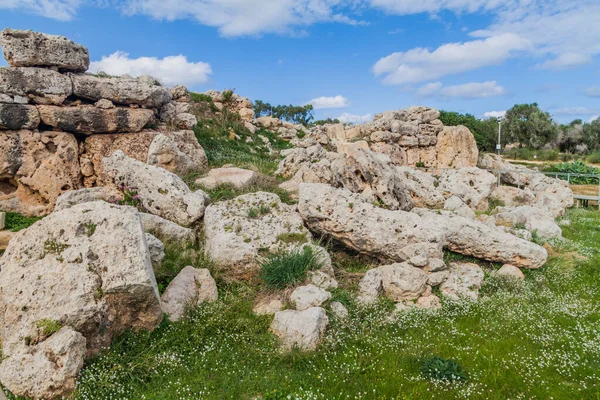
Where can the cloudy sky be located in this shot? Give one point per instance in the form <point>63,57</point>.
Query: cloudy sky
<point>349,58</point>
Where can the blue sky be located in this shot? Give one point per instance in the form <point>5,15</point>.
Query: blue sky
<point>352,58</point>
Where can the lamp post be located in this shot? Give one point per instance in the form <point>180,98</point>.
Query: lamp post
<point>499,145</point>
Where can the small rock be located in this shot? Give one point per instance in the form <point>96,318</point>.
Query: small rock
<point>308,296</point>
<point>301,329</point>
<point>464,280</point>
<point>236,177</point>
<point>267,306</point>
<point>156,249</point>
<point>189,288</point>
<point>338,310</point>
<point>510,271</point>
<point>322,280</point>
<point>104,104</point>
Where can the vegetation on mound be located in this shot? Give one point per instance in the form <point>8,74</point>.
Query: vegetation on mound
<point>16,222</point>
<point>533,339</point>
<point>286,269</point>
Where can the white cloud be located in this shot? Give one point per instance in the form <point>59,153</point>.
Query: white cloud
<point>420,64</point>
<point>592,119</point>
<point>62,10</point>
<point>494,114</point>
<point>171,70</point>
<point>566,61</point>
<point>321,103</point>
<point>243,17</point>
<point>593,91</point>
<point>576,111</point>
<point>355,119</point>
<point>473,90</point>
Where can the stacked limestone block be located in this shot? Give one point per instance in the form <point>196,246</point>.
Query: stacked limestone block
<point>50,108</point>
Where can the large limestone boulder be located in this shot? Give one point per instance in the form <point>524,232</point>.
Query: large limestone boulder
<point>42,86</point>
<point>165,230</point>
<point>47,370</point>
<point>512,197</point>
<point>300,329</point>
<point>32,49</point>
<point>296,158</point>
<point>92,274</point>
<point>552,194</point>
<point>474,238</point>
<point>304,297</point>
<point>137,146</point>
<point>268,122</point>
<point>190,287</point>
<point>456,148</point>
<point>18,116</point>
<point>87,195</point>
<point>121,90</point>
<point>236,177</point>
<point>36,168</point>
<point>238,230</point>
<point>472,185</point>
<point>422,186</point>
<point>165,152</point>
<point>531,218</point>
<point>385,234</point>
<point>464,281</point>
<point>161,192</point>
<point>372,175</point>
<point>88,120</point>
<point>510,174</point>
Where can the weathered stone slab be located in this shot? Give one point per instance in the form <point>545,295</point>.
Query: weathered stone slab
<point>42,86</point>
<point>18,116</point>
<point>23,48</point>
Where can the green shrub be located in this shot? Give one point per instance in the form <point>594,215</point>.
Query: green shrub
<point>288,268</point>
<point>441,369</point>
<point>253,212</point>
<point>420,164</point>
<point>594,158</point>
<point>200,97</point>
<point>577,167</point>
<point>16,222</point>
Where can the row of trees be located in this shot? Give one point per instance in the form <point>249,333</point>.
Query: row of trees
<point>528,126</point>
<point>296,114</point>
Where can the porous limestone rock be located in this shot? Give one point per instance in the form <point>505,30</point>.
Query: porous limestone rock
<point>339,310</point>
<point>185,121</point>
<point>510,271</point>
<point>110,288</point>
<point>87,195</point>
<point>384,234</point>
<point>46,370</point>
<point>472,185</point>
<point>531,218</point>
<point>32,49</point>
<point>36,168</point>
<point>456,148</point>
<point>304,297</point>
<point>104,104</point>
<point>42,86</point>
<point>236,177</point>
<point>511,196</point>
<point>397,282</point>
<point>268,122</point>
<point>372,175</point>
<point>156,249</point>
<point>322,280</point>
<point>459,207</point>
<point>464,281</point>
<point>552,194</point>
<point>238,230</point>
<point>431,302</point>
<point>120,90</point>
<point>165,152</point>
<point>473,238</point>
<point>18,116</point>
<point>268,305</point>
<point>161,192</point>
<point>137,146</point>
<point>166,231</point>
<point>422,187</point>
<point>296,158</point>
<point>300,329</point>
<point>89,120</point>
<point>189,288</point>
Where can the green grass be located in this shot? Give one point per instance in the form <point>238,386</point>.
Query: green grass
<point>538,339</point>
<point>286,269</point>
<point>49,327</point>
<point>264,183</point>
<point>16,222</point>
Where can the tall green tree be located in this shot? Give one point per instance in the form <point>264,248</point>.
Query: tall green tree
<point>484,131</point>
<point>529,126</point>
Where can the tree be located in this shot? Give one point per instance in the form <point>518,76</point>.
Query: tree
<point>484,131</point>
<point>529,126</point>
<point>296,114</point>
<point>326,121</point>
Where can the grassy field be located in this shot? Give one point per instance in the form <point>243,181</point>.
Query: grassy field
<point>539,339</point>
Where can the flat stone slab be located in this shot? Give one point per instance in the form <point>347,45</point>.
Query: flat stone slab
<point>236,177</point>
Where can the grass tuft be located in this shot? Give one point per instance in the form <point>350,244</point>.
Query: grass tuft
<point>286,269</point>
